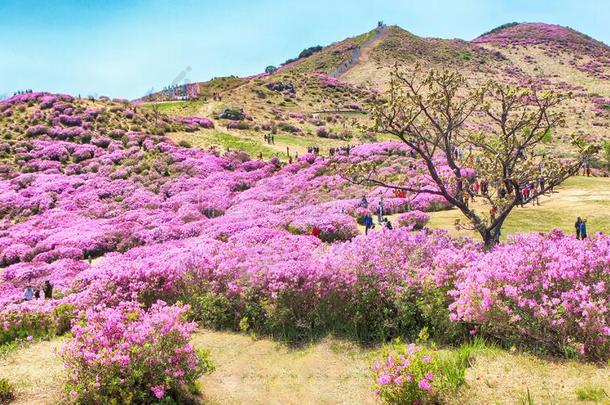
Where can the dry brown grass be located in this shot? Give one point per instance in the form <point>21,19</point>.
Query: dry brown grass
<point>265,372</point>
<point>260,371</point>
<point>36,372</point>
<point>503,378</point>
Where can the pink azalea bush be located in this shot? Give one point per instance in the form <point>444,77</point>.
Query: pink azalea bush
<point>413,219</point>
<point>130,355</point>
<point>233,237</point>
<point>549,290</point>
<point>406,376</point>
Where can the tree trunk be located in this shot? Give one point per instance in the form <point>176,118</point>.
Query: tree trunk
<point>491,237</point>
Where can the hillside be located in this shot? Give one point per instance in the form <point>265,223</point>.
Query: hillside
<point>141,242</point>
<point>332,89</point>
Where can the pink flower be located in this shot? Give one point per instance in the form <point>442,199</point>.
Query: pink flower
<point>158,391</point>
<point>424,384</point>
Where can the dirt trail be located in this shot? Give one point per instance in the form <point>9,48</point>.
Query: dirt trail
<point>361,53</point>
<point>366,51</point>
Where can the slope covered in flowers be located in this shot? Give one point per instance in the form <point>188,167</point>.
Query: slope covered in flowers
<point>233,237</point>
<point>550,35</point>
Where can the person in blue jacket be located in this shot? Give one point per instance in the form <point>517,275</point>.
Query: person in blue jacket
<point>368,223</point>
<point>583,229</point>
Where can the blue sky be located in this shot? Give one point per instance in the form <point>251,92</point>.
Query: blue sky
<point>126,48</point>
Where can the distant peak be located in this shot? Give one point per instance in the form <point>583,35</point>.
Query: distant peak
<point>525,34</point>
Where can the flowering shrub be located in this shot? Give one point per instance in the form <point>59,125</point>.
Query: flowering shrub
<point>179,223</point>
<point>551,291</point>
<point>129,355</point>
<point>334,227</point>
<point>322,132</point>
<point>406,376</point>
<point>413,219</point>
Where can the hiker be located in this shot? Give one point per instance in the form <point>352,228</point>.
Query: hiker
<point>368,223</point>
<point>380,211</point>
<point>266,140</point>
<point>272,139</point>
<point>315,231</point>
<point>36,293</point>
<point>583,229</point>
<point>388,224</point>
<point>492,213</point>
<point>525,193</point>
<point>466,197</point>
<point>577,227</point>
<point>28,294</point>
<point>47,288</point>
<point>484,187</point>
<point>476,187</point>
<point>364,202</point>
<point>502,192</point>
<point>541,182</point>
<point>535,194</point>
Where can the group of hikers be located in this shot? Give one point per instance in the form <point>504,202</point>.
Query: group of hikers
<point>31,293</point>
<point>368,218</point>
<point>18,92</point>
<point>525,192</point>
<point>270,139</point>
<point>344,149</point>
<point>581,228</point>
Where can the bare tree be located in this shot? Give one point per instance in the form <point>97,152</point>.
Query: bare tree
<point>495,129</point>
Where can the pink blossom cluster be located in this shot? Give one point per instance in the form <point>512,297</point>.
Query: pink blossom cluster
<point>546,288</point>
<point>406,376</point>
<point>413,219</point>
<point>126,353</point>
<point>554,38</point>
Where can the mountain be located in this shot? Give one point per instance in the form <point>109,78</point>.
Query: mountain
<point>333,87</point>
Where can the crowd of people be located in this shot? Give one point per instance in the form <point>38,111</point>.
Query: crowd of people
<point>345,149</point>
<point>32,293</point>
<point>270,139</point>
<point>18,92</point>
<point>379,211</point>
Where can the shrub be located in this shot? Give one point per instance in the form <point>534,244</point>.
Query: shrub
<point>413,219</point>
<point>406,375</point>
<point>334,227</point>
<point>7,391</point>
<point>322,132</point>
<point>546,291</point>
<point>409,374</point>
<point>184,144</point>
<point>591,393</point>
<point>129,355</point>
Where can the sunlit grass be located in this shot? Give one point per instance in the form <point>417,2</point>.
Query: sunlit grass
<point>585,197</point>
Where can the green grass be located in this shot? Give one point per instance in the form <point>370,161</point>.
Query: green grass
<point>224,141</point>
<point>587,197</point>
<point>591,393</point>
<point>186,107</point>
